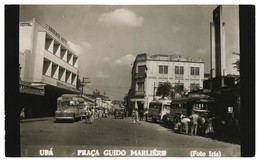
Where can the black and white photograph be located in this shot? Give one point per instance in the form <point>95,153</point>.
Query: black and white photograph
<point>129,80</point>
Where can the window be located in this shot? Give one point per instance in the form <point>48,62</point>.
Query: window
<point>194,71</point>
<point>141,69</point>
<point>140,86</point>
<point>197,71</point>
<point>163,69</point>
<point>179,70</point>
<point>160,69</point>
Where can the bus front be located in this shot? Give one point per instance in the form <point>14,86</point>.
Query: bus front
<point>65,109</point>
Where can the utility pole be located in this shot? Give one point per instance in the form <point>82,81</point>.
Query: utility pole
<point>83,83</point>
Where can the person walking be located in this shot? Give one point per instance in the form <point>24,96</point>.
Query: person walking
<point>92,115</point>
<point>88,116</point>
<point>141,115</point>
<point>194,123</point>
<point>136,117</point>
<point>22,115</point>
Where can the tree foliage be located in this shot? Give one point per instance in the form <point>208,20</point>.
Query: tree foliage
<point>237,63</point>
<point>164,89</point>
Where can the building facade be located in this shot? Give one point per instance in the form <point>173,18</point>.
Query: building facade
<point>46,62</point>
<point>149,71</point>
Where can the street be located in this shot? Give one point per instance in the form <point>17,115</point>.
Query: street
<point>64,139</point>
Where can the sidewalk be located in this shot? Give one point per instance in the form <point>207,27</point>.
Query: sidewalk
<point>36,119</point>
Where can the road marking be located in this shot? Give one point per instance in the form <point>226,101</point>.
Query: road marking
<point>136,139</point>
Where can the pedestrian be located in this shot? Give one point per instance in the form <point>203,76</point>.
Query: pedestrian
<point>141,115</point>
<point>88,116</point>
<point>194,123</point>
<point>92,115</point>
<point>136,117</point>
<point>95,113</point>
<point>22,115</point>
<point>209,129</point>
<point>146,116</point>
<point>185,123</point>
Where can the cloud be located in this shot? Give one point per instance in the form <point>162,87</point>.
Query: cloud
<point>80,49</point>
<point>121,17</point>
<point>101,75</point>
<point>106,59</point>
<point>125,61</point>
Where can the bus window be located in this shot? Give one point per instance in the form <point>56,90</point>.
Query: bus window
<point>167,107</point>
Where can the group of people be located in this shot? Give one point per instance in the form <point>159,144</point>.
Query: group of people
<point>137,115</point>
<point>192,123</point>
<point>92,114</point>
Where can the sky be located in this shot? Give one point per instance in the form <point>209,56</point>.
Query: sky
<point>107,38</point>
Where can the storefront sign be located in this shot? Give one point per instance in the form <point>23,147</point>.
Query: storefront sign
<point>62,85</point>
<point>57,34</point>
<point>31,90</point>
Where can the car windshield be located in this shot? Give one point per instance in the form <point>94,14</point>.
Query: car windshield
<point>67,103</point>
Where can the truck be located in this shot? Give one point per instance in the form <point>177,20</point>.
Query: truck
<point>159,110</point>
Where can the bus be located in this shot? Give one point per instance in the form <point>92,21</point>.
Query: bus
<point>193,103</point>
<point>69,107</point>
<point>159,110</point>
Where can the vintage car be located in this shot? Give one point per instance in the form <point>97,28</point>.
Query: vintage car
<point>119,113</point>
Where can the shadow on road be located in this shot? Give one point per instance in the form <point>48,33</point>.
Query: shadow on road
<point>233,139</point>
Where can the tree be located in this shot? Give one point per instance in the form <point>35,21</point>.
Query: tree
<point>178,90</point>
<point>237,63</point>
<point>164,89</point>
<point>194,87</point>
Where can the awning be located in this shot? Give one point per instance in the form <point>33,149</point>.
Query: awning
<point>25,87</point>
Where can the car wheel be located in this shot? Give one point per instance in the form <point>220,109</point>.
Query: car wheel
<point>154,120</point>
<point>73,119</point>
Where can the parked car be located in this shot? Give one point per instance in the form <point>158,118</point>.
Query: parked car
<point>119,112</point>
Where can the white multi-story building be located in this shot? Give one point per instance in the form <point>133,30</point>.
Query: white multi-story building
<point>151,70</point>
<point>48,68</point>
<point>46,57</point>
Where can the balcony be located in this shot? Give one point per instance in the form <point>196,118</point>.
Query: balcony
<point>140,93</point>
<point>140,75</point>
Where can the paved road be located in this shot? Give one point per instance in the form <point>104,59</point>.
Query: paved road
<point>44,138</point>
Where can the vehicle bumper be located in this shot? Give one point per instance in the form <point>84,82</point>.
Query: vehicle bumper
<point>64,118</point>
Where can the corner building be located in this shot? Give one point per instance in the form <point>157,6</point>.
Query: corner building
<point>46,62</point>
<point>149,71</point>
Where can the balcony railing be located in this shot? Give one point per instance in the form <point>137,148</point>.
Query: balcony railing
<point>140,75</point>
<point>139,93</point>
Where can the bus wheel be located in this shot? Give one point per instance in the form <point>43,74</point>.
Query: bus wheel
<point>154,120</point>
